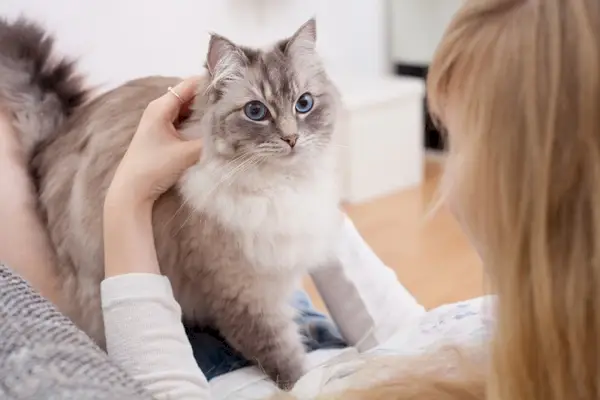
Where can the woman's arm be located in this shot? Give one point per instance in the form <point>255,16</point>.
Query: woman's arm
<point>144,333</point>
<point>145,337</point>
<point>363,295</point>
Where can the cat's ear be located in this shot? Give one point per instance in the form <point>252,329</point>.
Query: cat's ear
<point>304,41</point>
<point>225,61</point>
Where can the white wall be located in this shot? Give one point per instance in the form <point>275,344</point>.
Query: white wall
<point>121,39</point>
<point>417,27</point>
<point>117,40</point>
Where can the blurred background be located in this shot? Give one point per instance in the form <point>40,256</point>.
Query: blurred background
<point>378,51</point>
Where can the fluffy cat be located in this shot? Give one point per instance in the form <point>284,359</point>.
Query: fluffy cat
<point>242,226</point>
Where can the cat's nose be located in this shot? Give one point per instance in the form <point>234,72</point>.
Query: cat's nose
<point>290,139</point>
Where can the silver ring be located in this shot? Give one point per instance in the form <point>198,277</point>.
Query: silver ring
<point>174,93</point>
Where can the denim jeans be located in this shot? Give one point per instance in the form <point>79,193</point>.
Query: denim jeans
<point>215,357</point>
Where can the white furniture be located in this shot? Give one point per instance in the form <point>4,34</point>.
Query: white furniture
<point>382,136</point>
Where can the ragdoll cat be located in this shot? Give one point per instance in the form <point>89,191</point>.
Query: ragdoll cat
<point>241,227</point>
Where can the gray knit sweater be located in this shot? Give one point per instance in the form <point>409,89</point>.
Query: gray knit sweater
<point>44,356</point>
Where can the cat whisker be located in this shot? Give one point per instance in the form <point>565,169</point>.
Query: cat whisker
<point>247,163</point>
<point>181,207</point>
<point>260,366</point>
<point>273,149</point>
<point>309,140</point>
<point>228,175</point>
<point>236,159</point>
<point>185,221</point>
<point>246,159</point>
<point>235,170</point>
<point>241,171</point>
<point>270,151</point>
<point>267,154</point>
<point>185,201</point>
<point>267,144</point>
<point>255,161</point>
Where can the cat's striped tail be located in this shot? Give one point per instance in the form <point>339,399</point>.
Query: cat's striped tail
<point>38,88</point>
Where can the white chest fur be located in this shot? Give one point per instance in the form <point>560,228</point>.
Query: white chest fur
<point>280,222</point>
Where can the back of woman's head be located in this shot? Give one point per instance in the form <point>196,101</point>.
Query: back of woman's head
<point>517,84</point>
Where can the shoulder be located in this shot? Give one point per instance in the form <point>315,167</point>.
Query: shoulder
<point>464,317</point>
<point>466,322</point>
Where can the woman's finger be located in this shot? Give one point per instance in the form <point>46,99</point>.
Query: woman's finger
<point>191,151</point>
<point>168,106</point>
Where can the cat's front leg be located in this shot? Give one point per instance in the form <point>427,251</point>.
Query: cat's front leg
<point>266,334</point>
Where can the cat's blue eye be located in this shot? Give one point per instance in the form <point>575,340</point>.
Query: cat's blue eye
<point>256,111</point>
<point>305,103</point>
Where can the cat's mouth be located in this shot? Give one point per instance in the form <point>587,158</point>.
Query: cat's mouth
<point>291,153</point>
<point>282,158</point>
<point>282,153</point>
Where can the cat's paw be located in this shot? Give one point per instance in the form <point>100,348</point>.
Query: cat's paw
<point>288,374</point>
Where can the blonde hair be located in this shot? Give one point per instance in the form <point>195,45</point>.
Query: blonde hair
<point>518,83</point>
<point>521,78</point>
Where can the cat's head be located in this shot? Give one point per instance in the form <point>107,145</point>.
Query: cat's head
<point>277,104</point>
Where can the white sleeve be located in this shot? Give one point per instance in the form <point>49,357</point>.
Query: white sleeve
<point>363,295</point>
<point>145,336</point>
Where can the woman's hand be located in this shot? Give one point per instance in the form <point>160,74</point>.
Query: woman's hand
<point>155,159</point>
<point>157,156</point>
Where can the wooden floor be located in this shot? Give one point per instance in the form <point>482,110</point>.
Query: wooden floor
<point>430,255</point>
